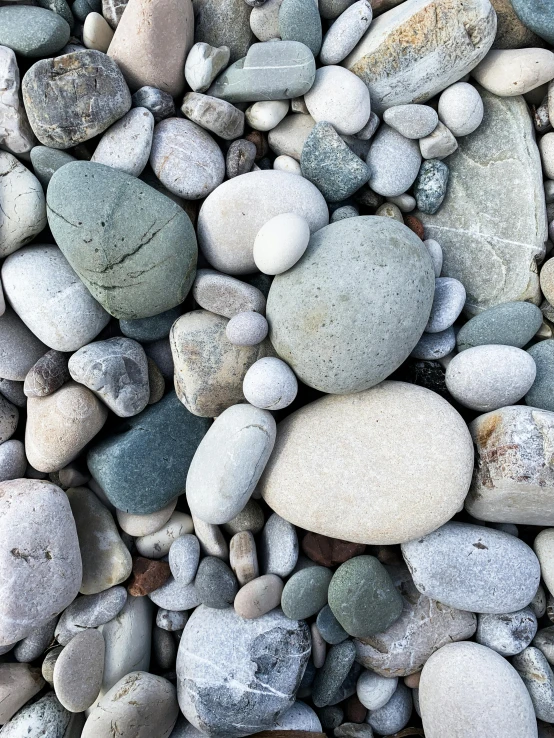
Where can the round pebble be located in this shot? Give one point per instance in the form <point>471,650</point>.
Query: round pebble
<point>246,329</point>
<point>270,384</point>
<point>184,556</point>
<point>507,634</point>
<point>448,303</point>
<point>79,669</point>
<point>280,243</point>
<point>305,593</point>
<point>461,108</point>
<point>215,583</point>
<point>509,324</point>
<point>412,121</point>
<point>340,98</point>
<point>374,690</point>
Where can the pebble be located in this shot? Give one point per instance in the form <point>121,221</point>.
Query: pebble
<point>439,144</point>
<point>159,103</point>
<point>258,693</point>
<point>203,64</point>
<point>486,378</point>
<point>81,8</point>
<point>251,518</point>
<point>448,303</point>
<point>266,114</point>
<point>217,116</point>
<point>433,346</point>
<point>461,108</point>
<point>225,295</point>
<point>171,620</point>
<point>289,137</point>
<point>507,634</point>
<point>215,583</point>
<point>340,98</point>
<point>332,674</point>
<point>13,461</point>
<point>35,644</point>
<point>259,596</point>
<point>240,158</point>
<point>158,544</point>
<point>264,20</point>
<point>305,593</point>
<point>46,161</point>
<point>353,730</point>
<point>147,576</point>
<point>509,324</point>
<point>270,384</point>
<point>300,21</point>
<point>143,525</point>
<point>186,159</point>
<point>280,243</point>
<point>247,329</point>
<point>59,94</point>
<point>411,121</point>
<point>21,192</point>
<point>534,669</point>
<point>278,548</point>
<point>19,683</point>
<point>90,611</point>
<point>331,717</point>
<point>13,392</point>
<point>535,17</point>
<point>212,540</point>
<point>299,717</point>
<point>374,690</point>
<point>544,548</point>
<point>150,329</point>
<point>511,33</point>
<point>184,556</point>
<point>32,32</point>
<point>19,348</point>
<point>394,162</point>
<point>348,211</point>
<point>539,394</point>
<point>546,149</point>
<point>431,185</point>
<point>47,714</point>
<point>16,135</point>
<point>395,715</point>
<point>164,648</point>
<point>329,628</point>
<point>126,145</point>
<point>174,596</point>
<point>345,32</point>
<point>97,33</point>
<point>510,72</point>
<point>224,22</point>
<point>538,603</point>
<point>48,665</point>
<point>78,671</point>
<point>243,559</point>
<point>287,164</point>
<point>496,557</point>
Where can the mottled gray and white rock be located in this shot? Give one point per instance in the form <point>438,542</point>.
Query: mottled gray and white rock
<point>395,714</point>
<point>215,584</point>
<point>79,669</point>
<point>394,161</point>
<point>16,134</point>
<point>23,213</point>
<point>495,571</point>
<point>156,545</point>
<point>544,641</point>
<point>175,596</point>
<point>345,32</point>
<point>19,348</point>
<point>240,157</point>
<point>203,64</point>
<point>171,620</point>
<point>46,715</point>
<point>431,185</point>
<point>461,108</point>
<point>156,101</point>
<point>278,547</point>
<point>299,717</point>
<point>223,22</point>
<point>47,375</point>
<point>18,683</point>
<point>35,644</point>
<point>215,115</point>
<point>224,295</point>
<point>251,518</point>
<point>412,121</point>
<point>184,556</point>
<point>50,299</point>
<point>250,693</point>
<point>507,634</point>
<point>534,669</point>
<point>126,145</point>
<point>374,690</point>
<point>90,611</point>
<point>340,98</point>
<point>39,555</point>
<point>112,10</point>
<point>439,144</point>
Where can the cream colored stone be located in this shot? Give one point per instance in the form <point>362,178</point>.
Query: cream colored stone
<point>157,544</point>
<point>259,596</point>
<point>97,34</point>
<point>23,212</point>
<point>511,72</point>
<point>143,525</point>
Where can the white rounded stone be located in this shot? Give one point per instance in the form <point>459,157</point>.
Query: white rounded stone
<point>280,243</point>
<point>345,32</point>
<point>266,114</point>
<point>97,33</point>
<point>394,162</point>
<point>412,121</point>
<point>286,163</point>
<point>203,64</point>
<point>270,383</point>
<point>264,20</point>
<point>374,690</point>
<point>247,329</point>
<point>461,108</point>
<point>511,72</point>
<point>126,145</point>
<point>340,98</point>
<point>23,212</point>
<point>143,525</point>
<point>156,545</point>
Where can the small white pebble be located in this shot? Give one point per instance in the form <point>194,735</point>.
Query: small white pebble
<point>286,163</point>
<point>266,114</point>
<point>97,34</point>
<point>435,250</point>
<point>280,243</point>
<point>461,108</point>
<point>246,329</point>
<point>270,384</point>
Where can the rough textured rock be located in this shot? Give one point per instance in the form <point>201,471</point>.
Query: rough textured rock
<point>307,464</point>
<point>264,661</point>
<point>40,557</point>
<point>112,10</point>
<point>47,375</point>
<point>23,213</point>
<point>217,116</point>
<point>126,145</point>
<point>223,23</point>
<point>46,715</point>
<point>493,251</point>
<point>9,416</point>
<point>61,93</point>
<point>16,135</point>
<point>19,348</point>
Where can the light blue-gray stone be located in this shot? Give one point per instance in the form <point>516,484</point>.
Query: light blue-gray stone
<point>433,346</point>
<point>150,329</point>
<point>31,31</point>
<point>541,393</point>
<point>299,21</point>
<point>536,15</point>
<point>393,716</point>
<point>509,324</point>
<point>46,161</point>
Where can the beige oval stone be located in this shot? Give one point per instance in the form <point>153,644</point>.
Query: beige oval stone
<point>259,596</point>
<point>511,72</point>
<point>243,557</point>
<point>396,460</point>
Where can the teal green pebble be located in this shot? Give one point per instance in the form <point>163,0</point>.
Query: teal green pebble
<point>329,627</point>
<point>333,673</point>
<point>134,249</point>
<point>61,8</point>
<point>31,31</point>
<point>541,393</point>
<point>144,465</point>
<point>150,329</point>
<point>509,324</point>
<point>46,161</point>
<point>363,597</point>
<point>538,15</point>
<point>299,21</point>
<point>305,593</point>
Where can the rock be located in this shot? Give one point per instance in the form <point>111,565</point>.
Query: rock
<point>31,31</point>
<point>19,348</point>
<point>544,548</point>
<point>126,145</point>
<point>112,10</point>
<point>16,135</point>
<point>432,346</point>
<point>305,593</point>
<point>48,666</point>
<point>259,693</point>
<point>13,461</point>
<point>143,232</point>
<point>412,121</point>
<point>46,161</point>
<point>266,114</point>
<point>97,34</point>
<point>267,72</point>
<point>243,560</point>
<point>511,33</point>
<point>21,194</point>
<point>486,378</point>
<point>289,137</point>
<point>448,303</point>
<point>509,324</point>
<point>47,375</point>
<point>340,98</point>
<point>299,717</point>
<point>374,690</point>
<point>511,72</point>
<point>388,67</point>
<point>395,714</point>
<point>331,9</point>
<point>147,576</point>
<point>493,256</point>
<point>307,345</point>
<point>278,547</point>
<point>159,103</point>
<point>281,242</point>
<point>507,634</point>
<point>51,300</point>
<point>171,620</point>
<point>217,116</point>
<point>212,540</point>
<point>534,670</point>
<point>164,647</point>
<point>461,108</point>
<point>329,551</point>
<point>333,673</point>
<point>270,384</point>
<point>139,702</point>
<point>59,94</point>
<point>209,379</point>
<point>204,63</point>
<point>345,32</point>
<point>431,186</point>
<point>143,525</point>
<point>35,644</point>
<point>60,425</point>
<point>394,162</point>
<point>184,556</point>
<point>539,395</point>
<point>247,329</point>
<point>259,596</point>
<point>264,20</point>
<point>40,556</point>
<point>251,518</point>
<point>78,671</point>
<point>90,611</point>
<point>19,683</point>
<point>439,144</point>
<point>174,596</point>
<point>287,164</point>
<point>330,164</point>
<point>224,295</point>
<point>215,583</point>
<point>300,21</point>
<point>544,642</point>
<point>150,329</point>
<point>45,715</point>
<point>495,557</point>
<point>535,16</point>
<point>240,158</point>
<point>546,149</point>
<point>9,417</point>
<point>223,22</point>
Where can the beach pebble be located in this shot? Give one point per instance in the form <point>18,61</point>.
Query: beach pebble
<point>340,98</point>
<point>243,558</point>
<point>47,714</point>
<point>174,596</point>
<point>16,134</point>
<point>510,72</point>
<point>78,671</point>
<point>9,416</point>
<point>461,108</point>
<point>157,102</point>
<point>300,21</point>
<point>21,193</point>
<point>535,17</point>
<point>158,544</point>
<point>13,461</point>
<point>143,525</point>
<point>430,185</point>
<point>278,547</point>
<point>240,157</point>
<point>90,611</point>
<point>347,211</point>
<point>18,683</point>
<point>280,243</point>
<point>394,162</point>
<point>126,145</point>
<point>147,576</point>
<point>412,121</point>
<point>251,518</point>
<point>299,717</point>
<point>171,620</point>
<point>433,346</point>
<point>223,22</point>
<point>438,144</point>
<point>247,329</point>
<point>264,20</point>
<point>266,114</point>
<point>345,32</point>
<point>289,137</point>
<point>270,384</point>
<point>329,627</point>
<point>395,714</point>
<point>448,303</point>
<point>544,548</point>
<point>203,64</point>
<point>305,593</point>
<point>97,34</point>
<point>217,116</point>
<point>507,634</point>
<point>154,328</point>
<point>31,31</point>
<point>259,596</point>
<point>332,674</point>
<point>215,583</point>
<point>224,295</point>
<point>534,669</point>
<point>374,691</point>
<point>287,164</point>
<point>46,161</point>
<point>184,556</point>
<point>212,540</point>
<point>509,324</point>
<point>35,644</point>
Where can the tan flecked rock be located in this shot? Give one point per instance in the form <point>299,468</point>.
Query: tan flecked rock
<point>60,425</point>
<point>151,43</point>
<point>421,47</point>
<point>396,460</point>
<point>243,557</point>
<point>18,683</point>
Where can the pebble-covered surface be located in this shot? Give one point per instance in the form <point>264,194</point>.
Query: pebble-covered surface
<point>276,368</point>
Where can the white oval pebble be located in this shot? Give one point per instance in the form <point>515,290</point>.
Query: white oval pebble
<point>461,108</point>
<point>340,98</point>
<point>270,384</point>
<point>510,72</point>
<point>280,243</point>
<point>374,690</point>
<point>143,525</point>
<point>286,163</point>
<point>266,114</point>
<point>156,545</point>
<point>97,34</point>
<point>247,329</point>
<point>345,32</point>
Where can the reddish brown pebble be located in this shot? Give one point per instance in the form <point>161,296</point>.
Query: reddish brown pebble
<point>354,711</point>
<point>414,224</point>
<point>260,142</point>
<point>330,551</point>
<point>147,576</point>
<point>412,681</point>
<point>390,555</point>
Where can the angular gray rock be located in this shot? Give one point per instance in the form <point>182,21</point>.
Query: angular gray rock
<point>213,114</point>
<point>23,214</point>
<point>47,375</point>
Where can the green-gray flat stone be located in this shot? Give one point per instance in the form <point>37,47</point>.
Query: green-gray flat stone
<point>144,466</point>
<point>305,593</point>
<point>32,31</point>
<point>363,597</point>
<point>277,70</point>
<point>541,393</point>
<point>299,21</point>
<point>509,324</point>
<point>46,161</point>
<point>134,248</point>
<point>329,678</point>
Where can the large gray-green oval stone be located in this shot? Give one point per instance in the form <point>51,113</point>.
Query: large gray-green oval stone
<point>134,248</point>
<point>354,307</point>
<point>509,324</point>
<point>31,31</point>
<point>305,593</point>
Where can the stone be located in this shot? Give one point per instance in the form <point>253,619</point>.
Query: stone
<point>159,103</point>
<point>432,346</point>
<point>17,136</point>
<point>13,392</point>
<point>50,298</point>
<point>395,714</point>
<point>270,384</point>
<point>539,396</point>
<point>209,379</point>
<point>78,671</point>
<point>97,34</point>
<point>374,690</point>
<point>278,547</point>
<point>184,556</point>
<point>164,647</point>
<point>300,21</point>
<point>59,94</point>
<point>150,329</point>
<point>495,557</point>
<point>139,703</point>
<point>264,20</point>
<point>171,620</point>
<point>348,211</point>
<point>329,628</point>
<point>47,375</point>
<point>40,556</point>
<point>46,161</point>
<point>13,461</point>
<point>287,164</point>
<point>511,33</point>
<point>224,295</point>
<point>259,596</point>
<point>345,32</point>
<point>535,671</point>
<point>507,634</point>
<point>544,642</point>
<point>9,417</point>
<point>21,195</point>
<point>305,593</point>
<point>223,22</point>
<point>147,576</point>
<point>546,149</point>
<point>158,544</point>
<point>267,72</point>
<point>288,138</point>
<point>431,185</point>
<point>259,693</point>
<point>340,98</point>
<point>439,144</point>
<point>215,583</point>
<point>186,159</point>
<point>143,525</point>
<point>329,551</point>
<point>535,16</point>
<point>333,673</point>
<point>130,230</point>
<point>48,665</point>
<point>251,518</point>
<point>81,8</point>
<point>508,324</point>
<point>31,31</point>
<point>60,425</point>
<point>90,611</point>
<point>35,644</point>
<point>174,596</point>
<point>394,162</point>
<point>240,158</point>
<point>299,717</point>
<point>247,329</point>
<point>388,66</point>
<point>266,114</point>
<point>19,348</point>
<point>47,714</point>
<point>494,255</point>
<point>511,72</point>
<point>538,603</point>
<point>212,540</point>
<point>112,10</point>
<point>204,63</point>
<point>411,121</point>
<point>544,548</point>
<point>126,145</point>
<point>461,108</point>
<point>217,116</point>
<point>19,683</point>
<point>448,303</point>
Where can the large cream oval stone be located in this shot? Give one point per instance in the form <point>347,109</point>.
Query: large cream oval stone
<point>383,466</point>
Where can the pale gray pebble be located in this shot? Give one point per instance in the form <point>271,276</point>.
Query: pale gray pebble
<point>438,144</point>
<point>13,391</point>
<point>247,329</point>
<point>164,648</point>
<point>217,116</point>
<point>90,611</point>
<point>171,620</point>
<point>507,634</point>
<point>46,718</point>
<point>240,157</point>
<point>448,303</point>
<point>533,667</point>
<point>435,251</point>
<point>212,540</point>
<point>225,295</point>
<point>394,162</point>
<point>79,669</point>
<point>278,549</point>
<point>298,717</point>
<point>175,596</point>
<point>184,556</point>
<point>370,127</point>
<point>13,461</point>
<point>203,64</point>
<point>36,643</point>
<point>406,203</point>
<point>46,161</point>
<point>250,518</point>
<point>158,102</point>
<point>390,210</point>
<point>394,715</point>
<point>19,348</point>
<point>73,475</point>
<point>215,583</point>
<point>346,211</point>
<point>412,121</point>
<point>511,529</point>
<point>270,384</point>
<point>116,370</point>
<point>49,663</point>
<point>345,32</point>
<point>432,346</point>
<point>461,108</point>
<point>126,145</point>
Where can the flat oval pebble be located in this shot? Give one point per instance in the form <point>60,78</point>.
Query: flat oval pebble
<point>340,98</point>
<point>217,116</point>
<point>9,417</point>
<point>510,72</point>
<point>507,634</point>
<point>158,544</point>
<point>224,295</point>
<point>215,584</point>
<point>78,671</point>
<point>412,121</point>
<point>461,108</point>
<point>266,114</point>
<point>126,145</point>
<point>90,611</point>
<point>251,518</point>
<point>13,461</point>
<point>33,32</point>
<point>174,596</point>
<point>345,32</point>
<point>509,324</point>
<point>305,593</point>
<point>278,546</point>
<point>540,393</point>
<point>143,525</point>
<point>280,243</point>
<point>394,162</point>
<point>448,303</point>
<point>259,596</point>
<point>431,185</point>
<point>332,674</point>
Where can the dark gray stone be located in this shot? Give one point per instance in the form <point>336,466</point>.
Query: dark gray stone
<point>329,627</point>
<point>46,161</point>
<point>331,717</point>
<point>240,157</point>
<point>215,583</point>
<point>48,374</point>
<point>158,102</point>
<point>13,391</point>
<point>112,10</point>
<point>541,393</point>
<point>348,687</point>
<point>305,593</point>
<point>430,185</point>
<point>509,324</point>
<point>32,31</point>
<point>81,8</point>
<point>299,21</point>
<point>61,8</point>
<point>150,329</point>
<point>333,672</point>
<point>393,716</point>
<point>224,23</point>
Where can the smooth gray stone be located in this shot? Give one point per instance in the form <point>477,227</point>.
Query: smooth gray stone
<point>81,8</point>
<point>412,121</point>
<point>305,593</point>
<point>348,687</point>
<point>175,596</point>
<point>394,162</point>
<point>61,8</point>
<point>215,583</point>
<point>49,663</point>
<point>492,250</point>
<point>47,717</point>
<point>433,346</point>
<point>16,135</point>
<point>348,211</point>
<point>448,302</point>
<point>158,102</point>
<point>74,97</point>
<point>36,643</point>
<point>275,71</point>
<point>507,634</point>
<point>393,716</point>
<point>278,547</point>
<point>13,392</point>
<point>150,329</point>
<point>79,669</point>
<point>333,673</point>
<point>213,114</point>
<point>90,611</point>
<point>164,648</point>
<point>13,461</point>
<point>330,164</point>
<point>544,641</point>
<point>46,161</point>
<point>329,627</point>
<point>184,556</point>
<point>223,23</point>
<point>300,21</point>
<point>224,295</point>
<point>509,324</point>
<point>496,572</point>
<point>353,730</point>
<point>19,348</point>
<point>533,667</point>
<point>31,31</point>
<point>160,353</point>
<point>430,185</point>
<point>536,15</point>
<point>541,393</point>
<point>249,694</point>
<point>299,717</point>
